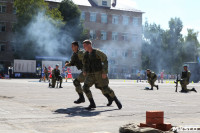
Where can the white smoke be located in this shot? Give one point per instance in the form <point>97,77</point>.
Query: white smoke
<point>46,36</point>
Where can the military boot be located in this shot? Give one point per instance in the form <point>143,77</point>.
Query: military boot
<point>157,87</point>
<point>81,99</point>
<point>193,89</point>
<point>151,88</point>
<point>110,99</point>
<point>119,105</point>
<point>60,86</point>
<point>92,104</point>
<point>183,90</point>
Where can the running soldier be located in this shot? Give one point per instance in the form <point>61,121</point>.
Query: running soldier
<point>95,68</point>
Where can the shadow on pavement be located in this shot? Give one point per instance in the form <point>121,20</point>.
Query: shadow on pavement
<point>81,111</point>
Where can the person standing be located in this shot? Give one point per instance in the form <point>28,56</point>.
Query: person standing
<point>138,76</point>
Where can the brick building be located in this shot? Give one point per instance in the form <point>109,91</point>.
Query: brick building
<point>115,31</point>
<point>7,21</point>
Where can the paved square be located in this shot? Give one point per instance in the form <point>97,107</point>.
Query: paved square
<point>29,106</point>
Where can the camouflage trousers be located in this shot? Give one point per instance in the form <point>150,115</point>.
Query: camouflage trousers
<point>184,84</point>
<point>152,82</point>
<point>77,83</point>
<point>100,83</point>
<point>54,81</point>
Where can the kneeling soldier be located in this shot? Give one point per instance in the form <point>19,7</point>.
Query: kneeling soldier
<point>152,77</point>
<point>56,77</point>
<point>185,78</point>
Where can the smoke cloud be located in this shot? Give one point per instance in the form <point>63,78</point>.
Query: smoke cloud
<point>44,37</point>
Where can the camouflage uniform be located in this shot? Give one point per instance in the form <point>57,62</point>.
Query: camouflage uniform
<point>152,77</point>
<point>56,77</point>
<point>94,65</point>
<point>185,77</point>
<point>76,60</point>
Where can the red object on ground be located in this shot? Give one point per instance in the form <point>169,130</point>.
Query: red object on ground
<point>69,73</point>
<point>164,127</point>
<point>153,114</point>
<point>155,119</point>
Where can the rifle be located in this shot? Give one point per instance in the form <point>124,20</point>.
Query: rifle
<point>176,82</point>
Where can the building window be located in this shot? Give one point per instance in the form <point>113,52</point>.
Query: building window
<point>14,10</point>
<point>2,47</point>
<point>92,34</point>
<point>113,53</point>
<point>135,21</point>
<point>82,15</point>
<point>134,53</point>
<point>103,18</point>
<point>135,38</point>
<point>115,36</point>
<point>125,20</point>
<point>93,17</point>
<point>2,26</point>
<point>115,19</point>
<point>113,62</point>
<point>14,26</point>
<point>103,35</point>
<point>125,37</point>
<point>104,3</point>
<point>125,53</point>
<point>2,8</point>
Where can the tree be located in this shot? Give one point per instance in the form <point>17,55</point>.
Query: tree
<point>27,9</point>
<point>152,47</point>
<point>27,13</point>
<point>70,12</point>
<point>175,41</point>
<point>190,46</point>
<point>163,49</point>
<point>73,25</point>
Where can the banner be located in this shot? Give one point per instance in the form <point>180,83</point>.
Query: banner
<point>25,66</point>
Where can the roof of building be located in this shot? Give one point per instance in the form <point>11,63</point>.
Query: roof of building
<point>86,3</point>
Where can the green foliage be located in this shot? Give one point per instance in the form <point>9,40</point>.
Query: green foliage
<point>167,49</point>
<point>71,16</point>
<point>70,12</point>
<point>27,9</point>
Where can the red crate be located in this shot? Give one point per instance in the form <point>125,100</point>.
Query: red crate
<point>155,120</point>
<point>153,114</point>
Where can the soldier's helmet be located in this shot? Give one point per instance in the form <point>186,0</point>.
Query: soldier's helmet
<point>57,65</point>
<point>185,65</point>
<point>148,70</point>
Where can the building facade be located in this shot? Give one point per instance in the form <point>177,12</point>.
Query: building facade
<point>119,34</point>
<point>7,22</point>
<point>116,32</point>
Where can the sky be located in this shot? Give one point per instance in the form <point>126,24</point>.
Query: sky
<point>160,11</point>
